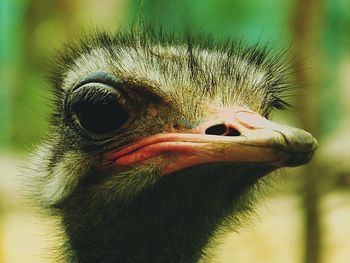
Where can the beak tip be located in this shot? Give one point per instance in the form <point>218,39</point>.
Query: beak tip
<point>314,145</point>
<point>306,144</point>
<point>299,148</point>
<point>296,159</point>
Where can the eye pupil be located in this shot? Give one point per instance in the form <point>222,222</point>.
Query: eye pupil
<point>100,113</point>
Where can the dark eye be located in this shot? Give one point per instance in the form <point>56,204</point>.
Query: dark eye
<point>99,108</point>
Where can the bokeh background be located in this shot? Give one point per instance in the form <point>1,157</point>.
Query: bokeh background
<point>307,216</point>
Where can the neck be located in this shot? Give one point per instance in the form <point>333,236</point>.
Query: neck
<point>172,222</point>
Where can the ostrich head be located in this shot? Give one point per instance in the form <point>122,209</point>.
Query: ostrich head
<point>155,142</point>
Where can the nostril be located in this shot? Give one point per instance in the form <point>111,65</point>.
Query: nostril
<point>232,132</point>
<point>222,129</point>
<point>219,129</point>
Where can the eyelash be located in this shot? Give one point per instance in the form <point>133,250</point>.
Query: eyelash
<point>92,92</point>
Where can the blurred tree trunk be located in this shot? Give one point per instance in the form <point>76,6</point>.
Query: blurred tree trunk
<point>307,67</point>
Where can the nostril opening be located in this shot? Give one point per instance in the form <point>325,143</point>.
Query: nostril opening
<point>223,130</point>
<point>219,129</point>
<point>232,132</point>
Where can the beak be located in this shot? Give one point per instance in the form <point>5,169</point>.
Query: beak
<point>241,136</point>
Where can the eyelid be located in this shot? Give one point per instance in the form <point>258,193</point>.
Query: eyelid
<point>101,81</point>
<point>95,87</point>
<point>123,86</point>
<point>90,91</point>
<point>99,77</point>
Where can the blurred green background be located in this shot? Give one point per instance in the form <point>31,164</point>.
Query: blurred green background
<point>306,219</point>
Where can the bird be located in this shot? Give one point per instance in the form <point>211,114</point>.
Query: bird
<point>159,140</point>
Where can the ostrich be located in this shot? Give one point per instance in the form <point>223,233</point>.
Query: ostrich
<point>157,142</point>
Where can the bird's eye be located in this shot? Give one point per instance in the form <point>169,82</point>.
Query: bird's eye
<point>99,108</point>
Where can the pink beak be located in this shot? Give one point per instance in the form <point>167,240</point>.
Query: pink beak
<point>242,136</point>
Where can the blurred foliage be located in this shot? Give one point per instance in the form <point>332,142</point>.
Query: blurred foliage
<point>335,47</point>
<point>237,19</point>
